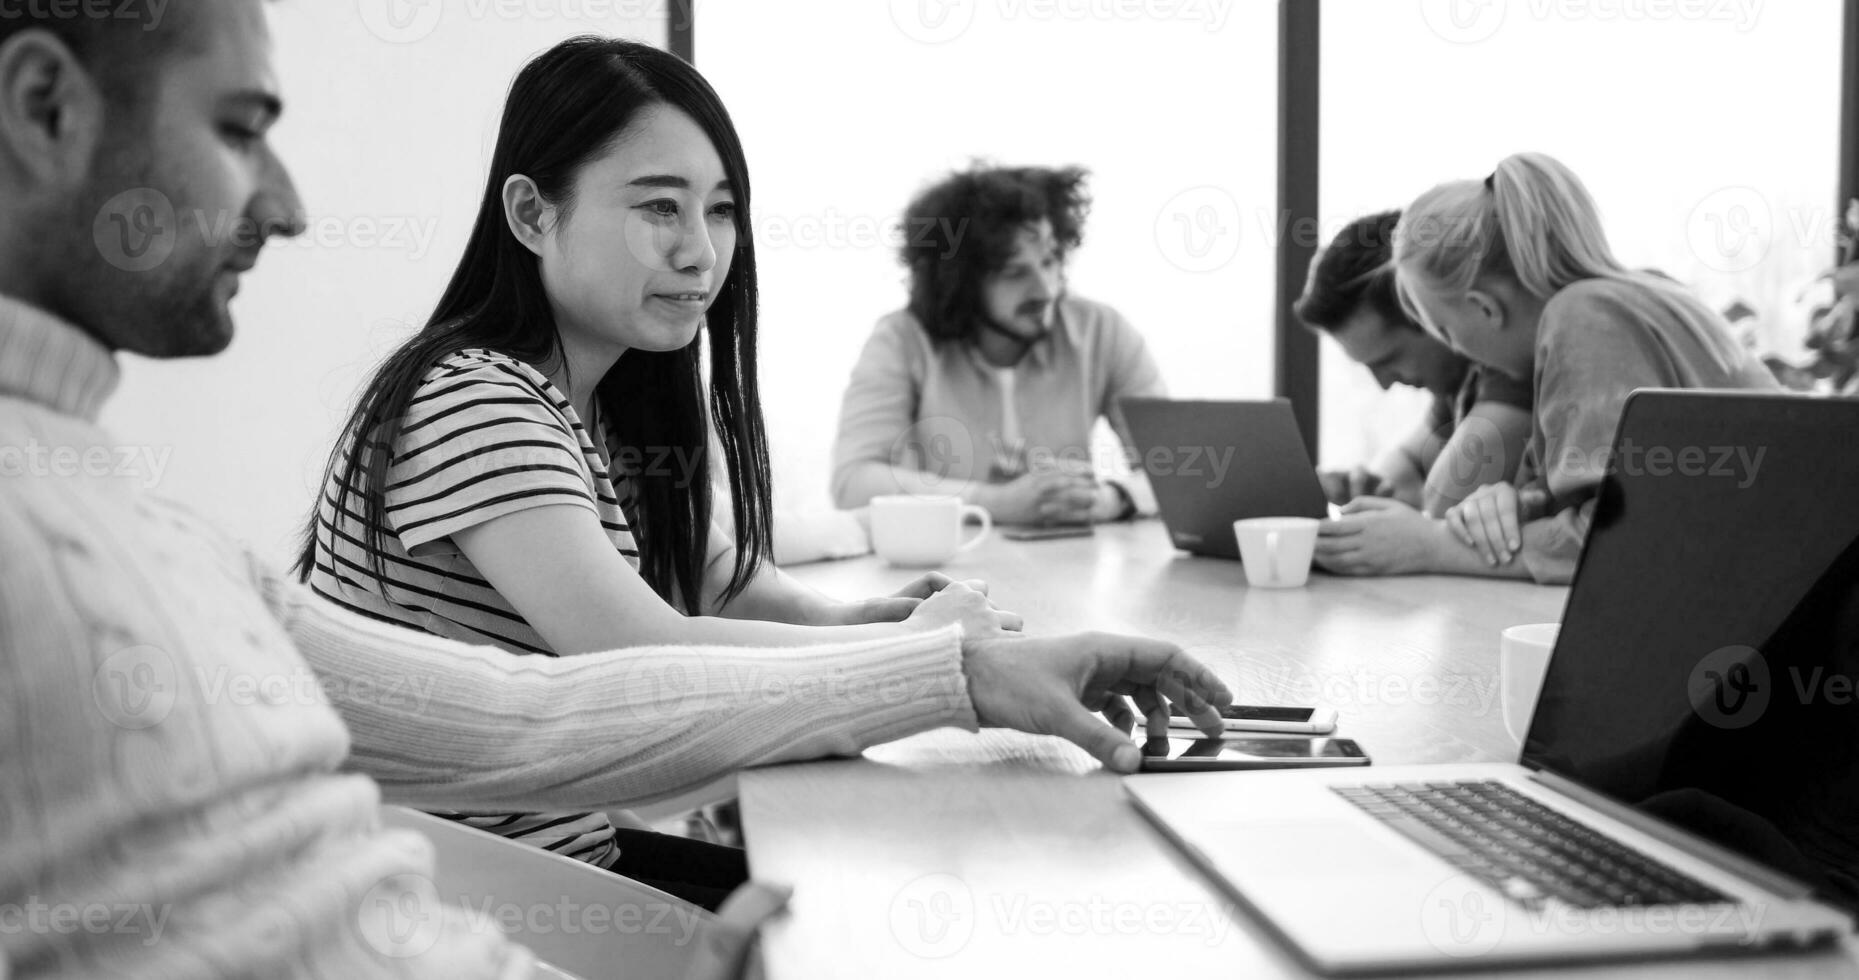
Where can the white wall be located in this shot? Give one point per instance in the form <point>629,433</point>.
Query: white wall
<point>1685,120</point>
<point>847,108</point>
<point>388,133</point>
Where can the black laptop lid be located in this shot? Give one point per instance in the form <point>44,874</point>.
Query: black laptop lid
<point>1211,463</point>
<point>1706,667</point>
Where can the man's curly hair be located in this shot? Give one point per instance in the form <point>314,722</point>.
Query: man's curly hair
<point>959,231</point>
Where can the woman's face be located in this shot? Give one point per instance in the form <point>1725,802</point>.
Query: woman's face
<point>1476,324</point>
<point>646,245</point>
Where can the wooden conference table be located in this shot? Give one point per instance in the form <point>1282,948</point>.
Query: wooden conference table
<point>960,855</point>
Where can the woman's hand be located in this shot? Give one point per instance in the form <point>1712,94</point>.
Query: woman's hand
<point>960,602</point>
<point>1490,522</point>
<point>893,608</point>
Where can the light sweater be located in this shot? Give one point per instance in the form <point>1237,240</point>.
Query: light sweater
<point>194,748</point>
<point>1598,342</point>
<point>942,409</point>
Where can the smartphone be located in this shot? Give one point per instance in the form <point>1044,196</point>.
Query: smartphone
<point>1269,718</point>
<point>1210,754</point>
<point>1046,532</point>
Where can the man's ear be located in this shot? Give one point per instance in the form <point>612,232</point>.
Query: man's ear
<point>1486,307</point>
<point>525,211</point>
<point>51,110</point>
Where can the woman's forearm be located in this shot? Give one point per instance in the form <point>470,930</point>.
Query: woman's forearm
<point>777,597</point>
<point>1450,556</point>
<point>725,630</point>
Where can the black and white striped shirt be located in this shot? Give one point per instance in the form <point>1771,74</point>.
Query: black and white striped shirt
<point>484,436</point>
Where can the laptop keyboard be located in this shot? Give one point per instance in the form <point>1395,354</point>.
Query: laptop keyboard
<point>1524,849</point>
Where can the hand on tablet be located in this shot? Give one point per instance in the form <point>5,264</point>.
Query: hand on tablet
<point>1055,685</point>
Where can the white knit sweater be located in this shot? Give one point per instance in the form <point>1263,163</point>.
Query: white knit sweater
<point>193,748</point>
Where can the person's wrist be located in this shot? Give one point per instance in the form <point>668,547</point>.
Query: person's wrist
<point>975,655</point>
<point>1123,502</point>
<point>1449,555</point>
<point>1436,556</point>
<point>985,496</point>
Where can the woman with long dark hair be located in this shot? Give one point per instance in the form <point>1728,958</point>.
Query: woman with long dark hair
<point>533,468</point>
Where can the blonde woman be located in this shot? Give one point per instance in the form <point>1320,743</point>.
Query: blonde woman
<point>1515,272</point>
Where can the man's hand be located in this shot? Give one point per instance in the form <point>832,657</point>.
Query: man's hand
<point>1052,686</point>
<point>1343,487</point>
<point>1490,522</point>
<point>1046,497</point>
<point>1376,536</point>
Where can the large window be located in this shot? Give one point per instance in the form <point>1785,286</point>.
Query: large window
<point>848,108</point>
<point>1708,133</point>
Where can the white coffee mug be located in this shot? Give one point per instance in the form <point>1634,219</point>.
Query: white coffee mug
<point>1276,550</point>
<point>1523,661</point>
<point>923,530</point>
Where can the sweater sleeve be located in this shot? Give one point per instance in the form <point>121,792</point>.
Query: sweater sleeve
<point>439,724</point>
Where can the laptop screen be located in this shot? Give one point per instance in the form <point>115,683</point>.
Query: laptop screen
<point>1707,669</point>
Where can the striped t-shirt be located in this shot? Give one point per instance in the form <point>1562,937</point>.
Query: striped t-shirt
<point>485,435</point>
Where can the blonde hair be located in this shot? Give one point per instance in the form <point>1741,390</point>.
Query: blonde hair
<point>1532,221</point>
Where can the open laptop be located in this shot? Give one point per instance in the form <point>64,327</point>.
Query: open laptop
<point>1690,781</point>
<point>1213,463</point>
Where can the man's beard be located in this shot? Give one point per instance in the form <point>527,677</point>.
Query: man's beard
<point>176,308</point>
<point>1012,331</point>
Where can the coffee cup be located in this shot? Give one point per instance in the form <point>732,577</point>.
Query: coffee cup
<point>1523,662</point>
<point>924,530</point>
<point>1276,550</point>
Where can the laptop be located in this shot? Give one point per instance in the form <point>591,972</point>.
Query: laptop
<point>1690,780</point>
<point>1213,463</point>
